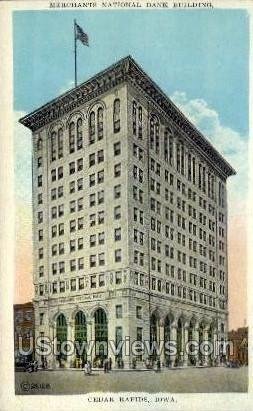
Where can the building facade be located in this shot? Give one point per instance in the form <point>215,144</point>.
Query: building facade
<point>239,350</point>
<point>130,220</point>
<point>23,332</point>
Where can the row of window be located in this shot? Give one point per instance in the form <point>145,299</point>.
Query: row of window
<point>156,263</point>
<point>207,180</point>
<point>170,271</point>
<point>76,166</point>
<point>75,131</point>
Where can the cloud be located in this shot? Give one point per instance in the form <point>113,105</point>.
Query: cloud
<point>231,144</point>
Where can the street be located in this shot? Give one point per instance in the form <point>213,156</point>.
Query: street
<point>188,380</point>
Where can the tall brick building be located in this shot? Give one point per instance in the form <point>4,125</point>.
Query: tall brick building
<point>130,218</point>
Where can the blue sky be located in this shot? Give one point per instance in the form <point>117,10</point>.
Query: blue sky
<point>202,53</point>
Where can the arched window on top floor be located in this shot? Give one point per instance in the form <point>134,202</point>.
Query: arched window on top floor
<point>92,127</point>
<point>72,137</point>
<point>116,116</point>
<point>79,132</point>
<point>100,123</point>
<point>166,145</point>
<point>140,122</point>
<point>189,167</point>
<point>134,117</point>
<point>182,159</point>
<point>60,143</point>
<point>39,144</point>
<point>154,130</point>
<point>53,146</point>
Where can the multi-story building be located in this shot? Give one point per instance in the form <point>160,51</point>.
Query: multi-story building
<point>130,219</point>
<point>239,349</point>
<point>23,332</point>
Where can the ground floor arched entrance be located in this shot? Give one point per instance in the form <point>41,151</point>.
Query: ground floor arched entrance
<point>101,337</point>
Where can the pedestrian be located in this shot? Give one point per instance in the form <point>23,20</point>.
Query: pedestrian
<point>86,368</point>
<point>110,364</point>
<point>158,365</point>
<point>105,365</point>
<point>89,368</point>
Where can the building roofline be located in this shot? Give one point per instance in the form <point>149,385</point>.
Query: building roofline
<point>127,70</point>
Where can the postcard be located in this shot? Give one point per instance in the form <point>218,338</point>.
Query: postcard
<point>125,204</point>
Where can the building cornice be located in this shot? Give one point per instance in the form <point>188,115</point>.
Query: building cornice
<point>125,70</point>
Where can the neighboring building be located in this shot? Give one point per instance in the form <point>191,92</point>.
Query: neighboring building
<point>23,332</point>
<point>239,352</point>
<point>130,219</point>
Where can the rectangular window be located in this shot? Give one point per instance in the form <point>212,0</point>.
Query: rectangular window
<point>54,268</point>
<point>92,240</point>
<point>93,281</point>
<point>92,180</point>
<point>101,280</point>
<point>100,156</point>
<point>73,284</point>
<point>118,256</point>
<point>71,187</point>
<point>60,191</point>
<point>39,162</point>
<point>40,199</point>
<point>81,283</point>
<point>92,159</point>
<point>72,226</point>
<point>101,197</point>
<point>117,213</point>
<point>61,248</point>
<point>119,311</point>
<point>100,177</point>
<point>72,206</point>
<point>60,210</point>
<point>62,286</point>
<point>80,263</point>
<point>117,148</point>
<point>80,243</point>
<point>40,217</point>
<point>118,277</point>
<point>72,246</point>
<point>79,184</point>
<point>54,212</point>
<point>80,223</point>
<point>117,170</point>
<point>60,173</point>
<point>101,217</point>
<point>92,220</point>
<point>80,204</point>
<point>72,265</point>
<point>80,164</point>
<point>117,234</point>
<point>40,235</point>
<point>93,260</point>
<point>39,181</point>
<point>53,175</point>
<point>62,267</point>
<point>92,200</point>
<point>72,167</point>
<point>101,259</point>
<point>101,238</point>
<point>138,311</point>
<point>117,191</point>
<point>61,229</point>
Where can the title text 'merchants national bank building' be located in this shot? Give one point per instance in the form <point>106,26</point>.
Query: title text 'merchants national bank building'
<point>130,221</point>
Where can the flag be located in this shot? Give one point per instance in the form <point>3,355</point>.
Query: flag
<point>80,35</point>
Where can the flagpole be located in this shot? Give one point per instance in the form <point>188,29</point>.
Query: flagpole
<point>75,53</point>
